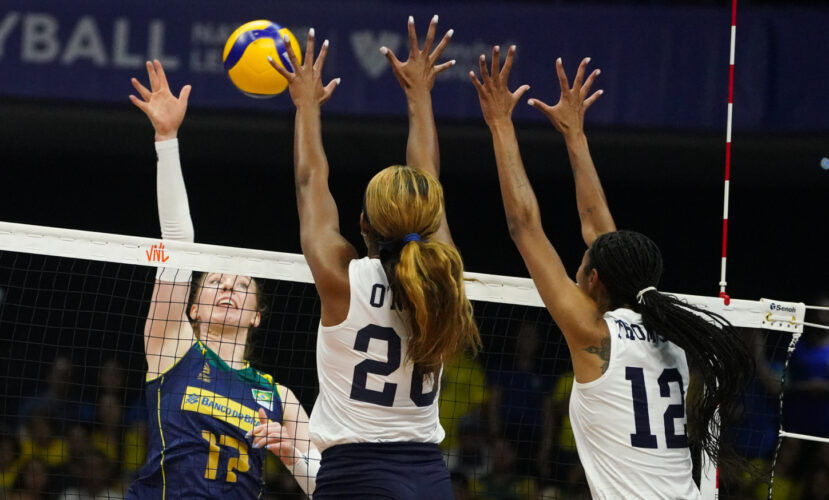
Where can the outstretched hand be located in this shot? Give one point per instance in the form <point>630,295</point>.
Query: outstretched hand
<point>305,81</point>
<point>497,102</point>
<point>568,114</point>
<point>165,111</point>
<point>418,72</point>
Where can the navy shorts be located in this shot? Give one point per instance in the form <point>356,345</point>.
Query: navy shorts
<point>399,471</point>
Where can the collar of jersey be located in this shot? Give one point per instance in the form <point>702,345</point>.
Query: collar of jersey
<point>247,374</point>
<point>626,313</point>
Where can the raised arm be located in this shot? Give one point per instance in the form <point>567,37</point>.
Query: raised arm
<point>573,310</point>
<point>167,333</point>
<point>568,118</point>
<point>327,252</point>
<point>417,77</point>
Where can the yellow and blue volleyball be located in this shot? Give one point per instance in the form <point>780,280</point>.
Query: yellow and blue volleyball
<point>245,57</point>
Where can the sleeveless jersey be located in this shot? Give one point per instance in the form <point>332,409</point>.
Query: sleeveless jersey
<point>199,413</point>
<point>369,392</point>
<point>630,423</point>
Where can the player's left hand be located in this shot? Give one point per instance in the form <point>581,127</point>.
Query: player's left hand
<point>162,107</point>
<point>272,436</point>
<point>418,72</point>
<point>305,82</point>
<point>497,102</point>
<point>568,114</point>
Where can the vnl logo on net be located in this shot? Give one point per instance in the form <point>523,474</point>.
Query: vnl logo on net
<point>782,308</point>
<point>157,253</point>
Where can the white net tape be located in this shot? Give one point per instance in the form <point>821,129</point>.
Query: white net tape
<point>765,313</point>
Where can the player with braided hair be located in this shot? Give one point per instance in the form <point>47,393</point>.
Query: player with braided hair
<point>631,346</point>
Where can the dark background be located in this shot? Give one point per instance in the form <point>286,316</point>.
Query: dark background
<point>92,167</point>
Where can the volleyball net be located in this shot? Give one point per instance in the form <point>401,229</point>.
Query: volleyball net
<point>73,307</point>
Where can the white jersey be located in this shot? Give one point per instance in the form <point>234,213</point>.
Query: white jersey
<point>368,391</point>
<point>630,423</point>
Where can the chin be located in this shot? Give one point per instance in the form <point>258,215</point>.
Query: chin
<point>230,319</point>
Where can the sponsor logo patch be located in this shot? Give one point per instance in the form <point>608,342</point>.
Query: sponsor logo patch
<point>199,400</point>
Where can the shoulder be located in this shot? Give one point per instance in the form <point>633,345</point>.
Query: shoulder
<point>261,379</point>
<point>365,265</point>
<point>192,356</point>
<point>623,318</point>
<point>366,271</point>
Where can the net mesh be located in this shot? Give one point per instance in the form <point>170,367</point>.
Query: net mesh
<point>75,422</point>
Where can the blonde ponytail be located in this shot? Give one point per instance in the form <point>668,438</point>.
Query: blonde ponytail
<point>426,275</point>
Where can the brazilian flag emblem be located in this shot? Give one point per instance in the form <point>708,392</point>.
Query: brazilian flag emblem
<point>264,398</point>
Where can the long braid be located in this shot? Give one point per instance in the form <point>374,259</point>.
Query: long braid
<point>628,262</point>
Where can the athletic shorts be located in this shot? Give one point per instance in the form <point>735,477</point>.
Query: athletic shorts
<point>399,471</point>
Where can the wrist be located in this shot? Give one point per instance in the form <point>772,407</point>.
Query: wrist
<point>575,138</point>
<point>416,93</point>
<point>165,136</point>
<point>500,125</point>
<point>307,105</point>
<point>167,149</point>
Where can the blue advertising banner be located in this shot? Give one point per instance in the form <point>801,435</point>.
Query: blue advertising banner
<point>661,66</point>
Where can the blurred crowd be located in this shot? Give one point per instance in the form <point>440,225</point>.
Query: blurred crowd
<point>508,432</point>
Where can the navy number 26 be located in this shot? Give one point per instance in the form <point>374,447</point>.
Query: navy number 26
<point>384,397</point>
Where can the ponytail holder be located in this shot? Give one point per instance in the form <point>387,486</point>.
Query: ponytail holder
<point>640,297</point>
<point>411,237</point>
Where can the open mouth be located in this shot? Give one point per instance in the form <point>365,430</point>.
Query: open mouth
<point>228,303</point>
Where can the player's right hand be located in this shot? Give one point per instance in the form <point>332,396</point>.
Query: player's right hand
<point>273,437</point>
<point>497,102</point>
<point>418,72</point>
<point>305,82</point>
<point>165,111</point>
<point>568,114</point>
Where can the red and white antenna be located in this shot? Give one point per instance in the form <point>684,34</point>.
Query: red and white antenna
<point>723,282</point>
<point>710,473</point>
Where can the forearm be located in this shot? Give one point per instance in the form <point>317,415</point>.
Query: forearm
<point>590,199</point>
<point>305,469</point>
<point>422,145</point>
<point>310,161</point>
<point>520,204</point>
<point>422,151</point>
<point>315,204</point>
<point>173,208</point>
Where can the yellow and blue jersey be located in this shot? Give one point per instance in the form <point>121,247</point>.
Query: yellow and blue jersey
<point>199,413</point>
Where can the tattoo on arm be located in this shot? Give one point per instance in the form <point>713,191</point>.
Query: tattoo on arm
<point>603,352</point>
<point>588,211</point>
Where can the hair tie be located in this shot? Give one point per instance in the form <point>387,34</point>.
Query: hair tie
<point>411,237</point>
<point>640,297</point>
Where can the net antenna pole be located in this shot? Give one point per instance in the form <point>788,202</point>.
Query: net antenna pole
<point>727,180</point>
<point>709,473</point>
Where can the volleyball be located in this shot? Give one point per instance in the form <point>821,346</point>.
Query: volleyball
<point>245,57</point>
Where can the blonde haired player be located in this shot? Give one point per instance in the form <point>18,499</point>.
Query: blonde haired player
<point>389,320</point>
<point>212,415</point>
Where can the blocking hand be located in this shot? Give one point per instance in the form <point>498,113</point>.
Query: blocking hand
<point>165,111</point>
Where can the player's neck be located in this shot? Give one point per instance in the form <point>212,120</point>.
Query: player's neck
<point>228,343</point>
